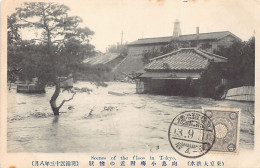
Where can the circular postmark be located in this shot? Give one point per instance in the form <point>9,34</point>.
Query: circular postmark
<point>191,134</point>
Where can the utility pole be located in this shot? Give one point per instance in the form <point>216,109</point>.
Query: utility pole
<point>122,37</point>
<point>121,48</point>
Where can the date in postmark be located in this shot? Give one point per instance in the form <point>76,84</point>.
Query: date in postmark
<point>227,127</point>
<point>191,134</point>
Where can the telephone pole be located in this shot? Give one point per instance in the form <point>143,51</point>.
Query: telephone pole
<point>121,48</point>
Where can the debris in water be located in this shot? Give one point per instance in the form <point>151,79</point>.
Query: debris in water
<point>110,108</point>
<point>153,148</point>
<point>91,110</point>
<point>39,115</point>
<point>17,117</point>
<point>115,93</point>
<point>85,89</point>
<point>22,103</point>
<point>90,113</point>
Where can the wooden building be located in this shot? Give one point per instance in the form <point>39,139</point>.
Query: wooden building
<point>174,73</point>
<point>204,41</point>
<point>109,59</point>
<point>99,67</point>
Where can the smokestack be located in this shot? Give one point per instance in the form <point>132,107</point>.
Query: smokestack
<point>197,32</point>
<point>177,29</point>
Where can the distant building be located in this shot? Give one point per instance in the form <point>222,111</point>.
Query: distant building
<point>205,41</point>
<point>99,67</point>
<point>169,73</point>
<point>109,59</point>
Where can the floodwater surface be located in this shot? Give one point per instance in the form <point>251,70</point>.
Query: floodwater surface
<point>105,122</point>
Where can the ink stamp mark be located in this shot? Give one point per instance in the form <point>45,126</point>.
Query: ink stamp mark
<point>226,121</point>
<point>191,134</point>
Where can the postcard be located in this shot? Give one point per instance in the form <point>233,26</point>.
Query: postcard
<point>130,84</point>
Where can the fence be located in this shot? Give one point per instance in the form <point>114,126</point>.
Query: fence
<point>139,86</point>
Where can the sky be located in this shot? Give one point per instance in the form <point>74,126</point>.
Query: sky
<point>155,18</point>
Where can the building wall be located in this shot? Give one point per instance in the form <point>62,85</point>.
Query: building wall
<point>207,45</point>
<point>113,63</point>
<point>137,50</point>
<point>226,41</point>
<point>211,45</point>
<point>164,87</point>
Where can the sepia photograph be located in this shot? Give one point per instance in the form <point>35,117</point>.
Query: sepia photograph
<point>121,76</point>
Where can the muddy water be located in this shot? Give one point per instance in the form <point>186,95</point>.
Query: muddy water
<point>103,122</point>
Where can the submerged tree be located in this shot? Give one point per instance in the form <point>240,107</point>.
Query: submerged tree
<point>61,45</point>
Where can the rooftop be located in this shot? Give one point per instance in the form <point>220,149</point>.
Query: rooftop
<point>188,37</point>
<point>101,58</point>
<point>130,64</point>
<point>184,59</point>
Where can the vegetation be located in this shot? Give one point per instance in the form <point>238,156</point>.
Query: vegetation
<point>209,81</point>
<point>96,74</point>
<point>61,45</point>
<point>240,69</point>
<point>118,48</point>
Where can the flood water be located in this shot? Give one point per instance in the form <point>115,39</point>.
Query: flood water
<point>104,122</point>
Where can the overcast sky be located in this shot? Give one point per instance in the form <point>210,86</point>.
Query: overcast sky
<point>154,18</point>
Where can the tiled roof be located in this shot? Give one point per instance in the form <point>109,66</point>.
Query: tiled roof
<point>184,59</point>
<point>130,64</point>
<point>205,36</point>
<point>151,40</point>
<point>101,58</point>
<point>189,37</point>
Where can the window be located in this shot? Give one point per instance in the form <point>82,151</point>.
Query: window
<point>206,45</point>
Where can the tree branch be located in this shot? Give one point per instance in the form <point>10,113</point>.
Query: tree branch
<point>66,100</point>
<point>32,23</point>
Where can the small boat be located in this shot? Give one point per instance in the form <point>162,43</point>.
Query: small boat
<point>115,93</point>
<point>30,88</point>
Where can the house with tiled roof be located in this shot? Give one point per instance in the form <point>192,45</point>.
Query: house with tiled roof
<point>170,72</point>
<point>205,41</point>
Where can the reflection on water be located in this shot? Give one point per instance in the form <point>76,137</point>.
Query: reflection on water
<point>55,121</point>
<point>103,122</point>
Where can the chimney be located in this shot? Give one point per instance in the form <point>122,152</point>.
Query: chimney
<point>197,32</point>
<point>177,29</point>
